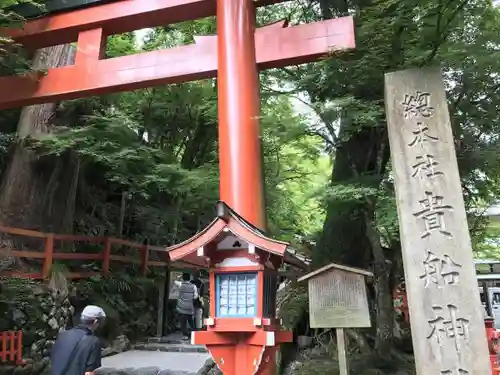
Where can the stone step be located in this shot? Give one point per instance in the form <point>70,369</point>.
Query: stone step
<point>179,347</point>
<point>171,339</point>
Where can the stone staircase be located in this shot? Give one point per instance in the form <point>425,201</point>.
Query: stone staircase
<point>159,356</point>
<point>171,343</point>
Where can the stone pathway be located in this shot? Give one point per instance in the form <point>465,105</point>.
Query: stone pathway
<point>159,356</point>
<point>138,362</point>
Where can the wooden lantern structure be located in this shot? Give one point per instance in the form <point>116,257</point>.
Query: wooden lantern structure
<point>242,330</point>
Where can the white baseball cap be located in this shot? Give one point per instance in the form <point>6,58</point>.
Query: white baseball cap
<point>93,312</point>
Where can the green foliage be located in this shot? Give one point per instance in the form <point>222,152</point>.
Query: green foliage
<point>16,294</point>
<point>20,306</point>
<point>128,301</point>
<point>320,362</point>
<point>10,58</point>
<point>292,305</point>
<point>5,142</point>
<point>158,147</point>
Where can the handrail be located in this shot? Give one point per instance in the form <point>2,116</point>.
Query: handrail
<point>12,347</point>
<point>49,254</point>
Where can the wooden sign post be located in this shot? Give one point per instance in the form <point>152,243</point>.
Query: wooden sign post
<point>448,332</point>
<point>337,299</point>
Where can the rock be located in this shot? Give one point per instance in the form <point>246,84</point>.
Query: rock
<point>111,371</point>
<point>58,315</point>
<point>7,370</point>
<point>42,366</point>
<point>292,367</point>
<point>40,333</point>
<point>107,351</point>
<point>53,323</point>
<point>121,343</point>
<point>137,371</point>
<point>208,368</point>
<point>171,372</point>
<point>38,346</point>
<point>215,371</point>
<point>18,315</point>
<point>145,371</point>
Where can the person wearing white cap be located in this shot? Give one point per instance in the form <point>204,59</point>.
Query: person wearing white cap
<point>78,351</point>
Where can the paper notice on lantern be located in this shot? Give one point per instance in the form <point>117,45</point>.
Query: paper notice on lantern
<point>337,299</point>
<point>236,295</point>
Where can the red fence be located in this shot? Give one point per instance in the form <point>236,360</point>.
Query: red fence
<point>105,256</point>
<point>12,347</point>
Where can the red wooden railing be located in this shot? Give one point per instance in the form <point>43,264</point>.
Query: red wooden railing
<point>49,254</point>
<point>12,347</point>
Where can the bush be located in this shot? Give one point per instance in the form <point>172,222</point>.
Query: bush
<point>130,303</point>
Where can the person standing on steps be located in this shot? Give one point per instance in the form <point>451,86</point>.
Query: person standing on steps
<point>78,351</point>
<point>185,304</point>
<point>198,303</point>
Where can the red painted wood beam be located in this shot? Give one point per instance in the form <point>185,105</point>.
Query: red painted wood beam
<point>114,18</point>
<point>276,46</point>
<point>240,154</point>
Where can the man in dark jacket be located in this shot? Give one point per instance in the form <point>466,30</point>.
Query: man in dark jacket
<point>198,303</point>
<point>77,351</point>
<point>185,304</point>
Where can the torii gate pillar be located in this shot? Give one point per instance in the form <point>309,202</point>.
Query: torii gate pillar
<point>241,183</point>
<point>240,156</point>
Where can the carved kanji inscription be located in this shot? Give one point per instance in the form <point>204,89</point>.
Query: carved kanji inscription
<point>448,325</point>
<point>421,136</point>
<point>459,371</point>
<point>426,166</point>
<point>440,271</point>
<point>433,214</point>
<point>417,105</point>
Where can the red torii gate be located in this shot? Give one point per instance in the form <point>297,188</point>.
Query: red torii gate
<point>235,55</point>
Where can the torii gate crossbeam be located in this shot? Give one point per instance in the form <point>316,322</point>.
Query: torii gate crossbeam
<point>114,18</point>
<point>275,45</point>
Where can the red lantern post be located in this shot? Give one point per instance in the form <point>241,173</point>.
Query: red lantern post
<point>493,344</point>
<point>243,333</point>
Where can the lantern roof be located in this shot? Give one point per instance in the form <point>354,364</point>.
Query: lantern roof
<point>229,223</point>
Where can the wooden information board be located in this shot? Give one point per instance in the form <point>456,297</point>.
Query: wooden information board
<point>449,336</point>
<point>337,299</point>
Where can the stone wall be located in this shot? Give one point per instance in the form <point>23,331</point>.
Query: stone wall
<point>42,310</point>
<point>40,313</point>
<point>57,313</point>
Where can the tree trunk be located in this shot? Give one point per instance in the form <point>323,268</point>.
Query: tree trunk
<point>349,235</point>
<point>343,238</point>
<point>34,193</point>
<point>383,297</point>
